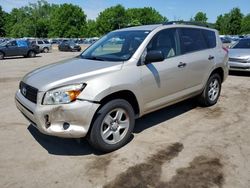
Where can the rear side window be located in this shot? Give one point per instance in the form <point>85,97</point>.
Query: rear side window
<point>210,38</point>
<point>40,42</point>
<point>46,42</point>
<point>191,40</point>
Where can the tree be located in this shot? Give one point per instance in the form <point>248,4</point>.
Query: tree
<point>235,18</point>
<point>222,24</point>
<point>67,20</point>
<point>91,29</point>
<point>245,24</point>
<point>200,17</point>
<point>2,22</point>
<point>144,16</point>
<point>111,19</point>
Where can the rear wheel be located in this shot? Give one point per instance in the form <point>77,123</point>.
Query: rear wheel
<point>46,50</point>
<point>211,92</point>
<point>1,55</point>
<point>31,54</point>
<point>113,126</point>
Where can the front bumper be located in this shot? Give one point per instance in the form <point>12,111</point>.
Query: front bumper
<point>67,120</point>
<point>237,66</point>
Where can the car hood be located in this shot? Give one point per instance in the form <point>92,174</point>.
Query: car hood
<point>239,53</point>
<point>72,71</point>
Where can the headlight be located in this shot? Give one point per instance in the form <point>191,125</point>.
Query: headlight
<point>63,95</point>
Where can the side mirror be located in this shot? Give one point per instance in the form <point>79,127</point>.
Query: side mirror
<point>154,56</point>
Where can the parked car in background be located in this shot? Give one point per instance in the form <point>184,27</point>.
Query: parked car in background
<point>18,48</point>
<point>226,40</point>
<point>69,46</point>
<point>44,45</point>
<point>239,55</point>
<point>99,93</point>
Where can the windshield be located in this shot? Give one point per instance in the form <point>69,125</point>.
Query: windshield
<point>115,46</point>
<point>243,43</point>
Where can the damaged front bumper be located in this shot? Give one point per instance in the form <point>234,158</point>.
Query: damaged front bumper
<point>66,120</point>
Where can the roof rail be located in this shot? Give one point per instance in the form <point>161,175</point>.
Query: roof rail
<point>186,23</point>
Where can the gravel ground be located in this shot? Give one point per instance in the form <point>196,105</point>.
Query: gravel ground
<point>180,146</point>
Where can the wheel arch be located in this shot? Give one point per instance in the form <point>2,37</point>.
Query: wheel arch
<point>127,95</point>
<point>219,71</point>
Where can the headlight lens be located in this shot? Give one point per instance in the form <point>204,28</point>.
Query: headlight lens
<point>63,95</point>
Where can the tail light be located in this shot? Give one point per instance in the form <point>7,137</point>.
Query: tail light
<point>225,49</point>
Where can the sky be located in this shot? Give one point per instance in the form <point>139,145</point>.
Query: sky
<point>172,9</point>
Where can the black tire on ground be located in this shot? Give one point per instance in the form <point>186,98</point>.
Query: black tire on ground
<point>114,127</point>
<point>46,50</point>
<point>1,55</point>
<point>31,54</point>
<point>211,92</point>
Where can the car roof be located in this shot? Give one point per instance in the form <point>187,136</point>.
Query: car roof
<point>152,27</point>
<point>142,28</point>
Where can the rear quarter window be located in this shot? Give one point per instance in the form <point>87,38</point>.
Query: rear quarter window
<point>21,43</point>
<point>210,38</point>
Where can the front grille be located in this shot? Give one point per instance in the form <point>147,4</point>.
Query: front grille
<point>238,60</point>
<point>28,92</point>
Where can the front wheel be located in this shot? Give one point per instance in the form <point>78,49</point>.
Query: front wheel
<point>112,126</point>
<point>211,92</point>
<point>46,50</point>
<point>31,54</point>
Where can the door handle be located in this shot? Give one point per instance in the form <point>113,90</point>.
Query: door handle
<point>210,57</point>
<point>181,65</point>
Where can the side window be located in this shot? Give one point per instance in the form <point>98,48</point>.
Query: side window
<point>210,38</point>
<point>166,41</point>
<point>191,40</point>
<point>22,43</point>
<point>12,43</point>
<point>40,42</point>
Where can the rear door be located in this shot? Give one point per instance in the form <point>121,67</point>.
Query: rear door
<point>22,47</point>
<point>198,54</point>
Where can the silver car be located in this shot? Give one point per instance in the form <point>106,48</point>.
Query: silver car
<point>239,55</point>
<point>44,45</point>
<point>123,76</point>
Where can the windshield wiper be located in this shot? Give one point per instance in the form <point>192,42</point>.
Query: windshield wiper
<point>94,58</point>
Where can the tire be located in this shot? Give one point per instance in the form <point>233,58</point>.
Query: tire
<point>31,54</point>
<point>211,92</point>
<point>113,126</point>
<point>1,55</point>
<point>45,50</point>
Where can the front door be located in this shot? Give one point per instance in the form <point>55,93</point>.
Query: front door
<point>163,82</point>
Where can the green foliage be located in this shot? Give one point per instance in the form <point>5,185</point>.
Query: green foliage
<point>230,23</point>
<point>3,16</point>
<point>91,29</point>
<point>67,20</point>
<point>245,24</point>
<point>200,17</point>
<point>235,18</point>
<point>144,16</point>
<point>111,19</point>
<point>43,20</point>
